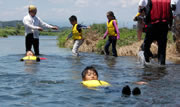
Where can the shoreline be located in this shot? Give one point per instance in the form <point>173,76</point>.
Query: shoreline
<point>127,50</point>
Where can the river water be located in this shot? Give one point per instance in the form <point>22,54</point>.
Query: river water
<point>55,82</point>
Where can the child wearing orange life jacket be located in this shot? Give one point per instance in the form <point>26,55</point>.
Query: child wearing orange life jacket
<point>112,32</point>
<point>76,34</point>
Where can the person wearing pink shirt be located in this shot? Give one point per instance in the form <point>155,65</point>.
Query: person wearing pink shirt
<point>112,32</point>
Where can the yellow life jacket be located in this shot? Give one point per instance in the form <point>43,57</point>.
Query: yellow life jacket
<point>95,83</point>
<point>76,33</point>
<point>29,58</point>
<point>111,28</point>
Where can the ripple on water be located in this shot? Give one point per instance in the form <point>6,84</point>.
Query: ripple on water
<point>56,81</point>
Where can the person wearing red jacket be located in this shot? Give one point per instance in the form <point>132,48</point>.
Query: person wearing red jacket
<point>158,18</point>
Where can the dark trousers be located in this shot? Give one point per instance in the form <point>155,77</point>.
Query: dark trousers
<point>156,32</point>
<point>30,40</point>
<point>111,40</point>
<point>149,52</point>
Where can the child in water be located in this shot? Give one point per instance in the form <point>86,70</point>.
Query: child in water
<point>90,80</point>
<point>30,56</point>
<point>76,34</point>
<point>113,33</point>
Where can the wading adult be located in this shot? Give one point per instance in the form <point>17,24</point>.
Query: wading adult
<point>158,18</point>
<point>33,25</point>
<point>175,5</point>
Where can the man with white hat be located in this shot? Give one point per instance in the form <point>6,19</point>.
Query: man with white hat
<point>33,25</point>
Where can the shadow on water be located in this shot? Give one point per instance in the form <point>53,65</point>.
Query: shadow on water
<point>110,61</point>
<point>153,73</point>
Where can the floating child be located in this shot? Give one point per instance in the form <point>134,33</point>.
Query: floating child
<point>112,32</point>
<point>76,34</point>
<point>90,80</point>
<point>30,57</point>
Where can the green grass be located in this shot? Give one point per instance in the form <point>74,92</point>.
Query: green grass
<point>99,28</point>
<point>100,45</point>
<point>170,37</point>
<point>10,31</point>
<point>19,30</point>
<point>62,37</point>
<point>127,36</point>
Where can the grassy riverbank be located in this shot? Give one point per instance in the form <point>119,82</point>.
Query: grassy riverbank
<point>94,35</point>
<point>5,32</point>
<point>96,32</point>
<point>127,45</point>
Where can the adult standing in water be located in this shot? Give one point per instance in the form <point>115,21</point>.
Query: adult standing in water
<point>175,4</point>
<point>158,17</point>
<point>33,25</point>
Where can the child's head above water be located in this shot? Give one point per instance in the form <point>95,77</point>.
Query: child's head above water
<point>29,53</point>
<point>73,20</point>
<point>89,73</point>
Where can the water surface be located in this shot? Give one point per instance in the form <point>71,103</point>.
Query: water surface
<point>55,82</point>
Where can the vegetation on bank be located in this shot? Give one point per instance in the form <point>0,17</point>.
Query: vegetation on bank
<point>19,30</point>
<point>127,36</point>
<point>5,32</point>
<point>62,37</point>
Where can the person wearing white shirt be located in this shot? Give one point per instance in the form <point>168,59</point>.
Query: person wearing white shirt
<point>33,25</point>
<point>175,5</point>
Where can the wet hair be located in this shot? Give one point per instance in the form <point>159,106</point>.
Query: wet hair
<point>85,71</point>
<point>73,18</point>
<point>28,51</point>
<point>110,13</point>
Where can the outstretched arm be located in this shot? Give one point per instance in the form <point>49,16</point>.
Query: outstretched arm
<point>42,23</point>
<point>82,26</point>
<point>30,25</point>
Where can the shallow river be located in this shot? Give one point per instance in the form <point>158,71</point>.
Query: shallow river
<point>55,82</point>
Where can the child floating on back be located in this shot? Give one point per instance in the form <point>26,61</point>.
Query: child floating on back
<point>30,56</point>
<point>76,34</point>
<point>113,33</point>
<point>90,80</point>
